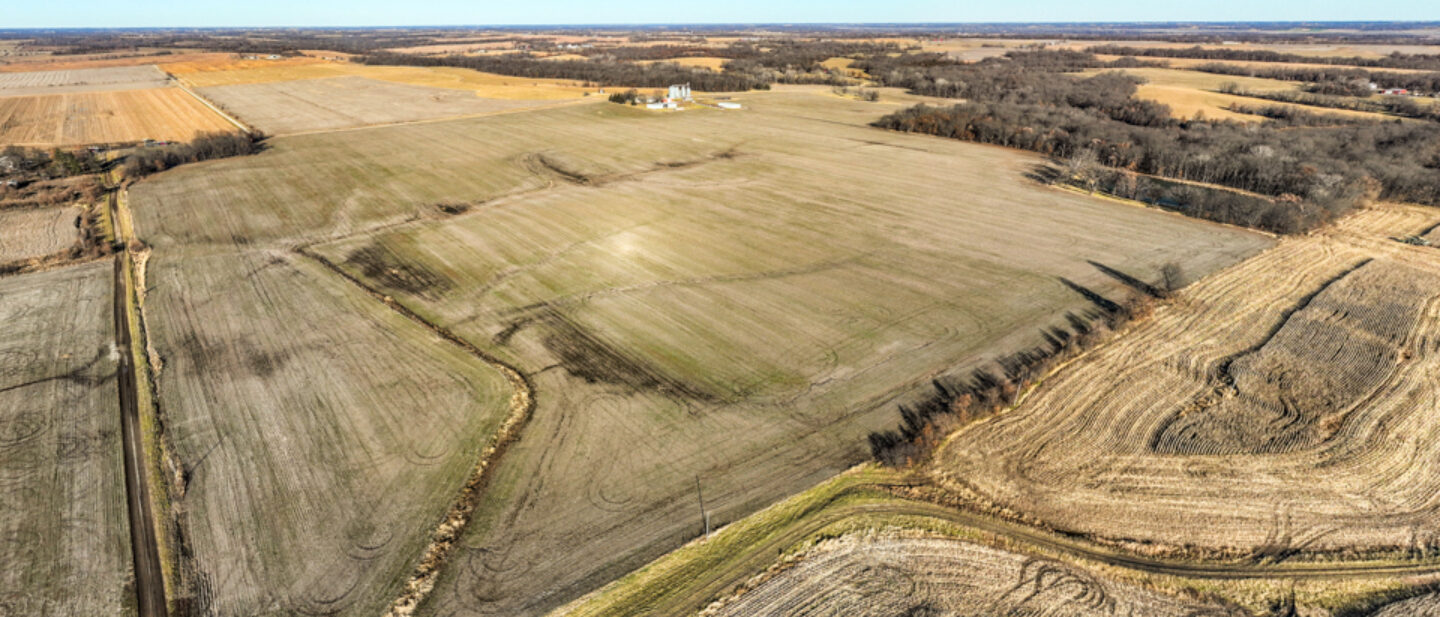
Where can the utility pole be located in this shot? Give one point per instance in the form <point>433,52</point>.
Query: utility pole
<point>705,516</point>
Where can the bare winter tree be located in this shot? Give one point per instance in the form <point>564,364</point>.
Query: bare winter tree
<point>1171,277</point>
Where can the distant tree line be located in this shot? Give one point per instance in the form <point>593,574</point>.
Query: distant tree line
<point>1332,168</point>
<point>1397,60</point>
<point>206,146</point>
<point>601,72</point>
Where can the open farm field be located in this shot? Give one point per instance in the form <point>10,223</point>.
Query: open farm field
<point>856,575</point>
<point>322,435</point>
<point>1192,92</point>
<point>64,533</point>
<point>105,117</point>
<point>1427,605</point>
<point>27,233</point>
<point>81,80</point>
<point>624,213</point>
<point>233,62</point>
<point>486,85</point>
<point>709,62</point>
<point>47,62</point>
<point>740,276</point>
<point>1281,406</point>
<point>343,102</point>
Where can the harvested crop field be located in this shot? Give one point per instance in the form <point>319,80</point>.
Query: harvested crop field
<point>345,102</point>
<point>1192,92</point>
<point>27,233</point>
<point>1280,406</point>
<point>745,282</point>
<point>105,117</point>
<point>487,85</point>
<point>64,532</point>
<point>1427,605</point>
<point>878,576</point>
<point>706,62</point>
<point>662,280</point>
<point>26,64</point>
<point>81,80</point>
<point>323,434</point>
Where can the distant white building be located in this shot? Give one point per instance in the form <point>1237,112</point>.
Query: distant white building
<point>663,105</point>
<point>728,105</point>
<point>680,92</point>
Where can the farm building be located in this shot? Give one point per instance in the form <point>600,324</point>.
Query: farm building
<point>680,92</point>
<point>728,105</point>
<point>1395,91</point>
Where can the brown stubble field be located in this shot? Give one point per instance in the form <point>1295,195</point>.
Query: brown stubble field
<point>64,533</point>
<point>236,373</point>
<point>81,80</point>
<point>30,233</point>
<point>745,313</point>
<point>1280,406</point>
<point>105,117</point>
<point>899,575</point>
<point>321,434</point>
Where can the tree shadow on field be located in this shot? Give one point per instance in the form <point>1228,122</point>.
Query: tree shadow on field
<point>1104,304</point>
<point>1127,280</point>
<point>1046,173</point>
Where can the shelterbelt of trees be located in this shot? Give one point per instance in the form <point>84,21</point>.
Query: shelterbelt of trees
<point>1308,172</point>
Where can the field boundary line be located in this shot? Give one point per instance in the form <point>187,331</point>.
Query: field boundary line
<point>238,124</point>
<point>447,533</point>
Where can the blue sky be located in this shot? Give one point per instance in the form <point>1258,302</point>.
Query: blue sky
<point>159,13</point>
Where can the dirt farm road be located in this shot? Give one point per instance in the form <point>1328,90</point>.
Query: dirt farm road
<point>149,581</point>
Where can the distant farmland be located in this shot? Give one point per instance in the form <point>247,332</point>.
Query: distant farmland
<point>341,102</point>
<point>738,296</point>
<point>81,80</point>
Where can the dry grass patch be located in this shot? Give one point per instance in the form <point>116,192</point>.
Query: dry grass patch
<point>64,535</point>
<point>105,117</point>
<point>1279,407</point>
